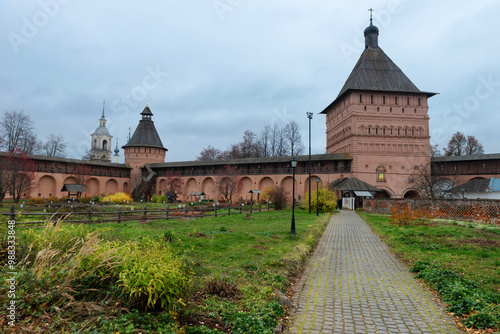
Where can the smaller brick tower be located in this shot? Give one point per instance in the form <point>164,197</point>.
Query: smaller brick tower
<point>145,146</point>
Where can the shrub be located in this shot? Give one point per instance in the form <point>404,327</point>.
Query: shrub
<point>118,198</point>
<point>403,214</point>
<point>261,317</point>
<point>325,198</point>
<point>464,297</point>
<point>37,200</point>
<point>277,195</point>
<point>86,199</point>
<point>152,275</point>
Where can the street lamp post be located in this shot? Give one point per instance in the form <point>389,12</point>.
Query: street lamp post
<point>310,116</point>
<point>317,196</point>
<point>294,164</point>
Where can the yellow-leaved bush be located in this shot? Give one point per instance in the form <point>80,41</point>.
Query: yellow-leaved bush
<point>153,275</point>
<point>118,198</point>
<point>326,200</point>
<point>63,256</point>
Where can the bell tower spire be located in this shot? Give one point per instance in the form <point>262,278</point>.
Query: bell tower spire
<point>102,121</point>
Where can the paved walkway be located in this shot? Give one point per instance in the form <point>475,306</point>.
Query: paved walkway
<point>353,284</point>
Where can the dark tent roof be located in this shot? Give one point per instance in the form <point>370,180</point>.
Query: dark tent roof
<point>145,134</point>
<point>352,184</point>
<point>74,188</point>
<point>473,186</point>
<point>477,157</point>
<point>375,71</point>
<point>284,159</point>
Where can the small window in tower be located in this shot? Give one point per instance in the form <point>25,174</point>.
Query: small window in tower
<point>383,99</point>
<point>360,98</point>
<point>396,100</point>
<point>105,145</point>
<point>408,101</point>
<point>371,99</point>
<point>419,102</point>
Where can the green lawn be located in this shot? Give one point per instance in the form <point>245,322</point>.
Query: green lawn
<point>469,249</point>
<point>236,263</point>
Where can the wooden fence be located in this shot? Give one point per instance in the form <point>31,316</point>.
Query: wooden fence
<point>91,215</point>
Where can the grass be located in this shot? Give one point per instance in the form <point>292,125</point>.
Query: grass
<point>236,263</point>
<point>469,249</point>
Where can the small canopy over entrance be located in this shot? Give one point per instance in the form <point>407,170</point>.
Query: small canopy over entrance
<point>258,192</point>
<point>74,191</point>
<point>363,193</point>
<point>352,191</point>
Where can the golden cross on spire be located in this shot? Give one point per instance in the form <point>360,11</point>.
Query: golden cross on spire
<point>147,104</point>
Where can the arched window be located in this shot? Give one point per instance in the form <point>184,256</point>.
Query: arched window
<point>105,145</point>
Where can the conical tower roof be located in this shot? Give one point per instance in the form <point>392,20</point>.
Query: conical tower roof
<point>376,72</point>
<point>145,134</point>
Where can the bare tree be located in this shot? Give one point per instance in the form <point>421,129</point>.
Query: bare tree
<point>249,146</point>
<point>227,182</point>
<point>174,185</point>
<point>431,180</point>
<point>55,146</point>
<point>292,134</point>
<point>17,132</point>
<point>474,147</point>
<point>82,174</point>
<point>209,154</point>
<point>461,144</point>
<point>264,139</point>
<point>282,144</point>
<point>4,178</point>
<point>435,152</point>
<point>19,174</point>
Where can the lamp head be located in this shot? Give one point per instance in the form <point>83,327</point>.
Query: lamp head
<point>293,162</point>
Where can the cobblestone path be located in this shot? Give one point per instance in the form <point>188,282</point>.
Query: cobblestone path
<point>354,284</point>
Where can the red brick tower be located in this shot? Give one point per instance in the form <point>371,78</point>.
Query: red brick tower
<point>380,119</point>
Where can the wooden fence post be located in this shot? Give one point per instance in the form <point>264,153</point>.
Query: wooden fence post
<point>166,212</point>
<point>201,211</point>
<point>119,215</point>
<point>229,210</point>
<point>260,207</point>
<point>241,208</point>
<point>12,213</point>
<point>215,209</point>
<point>90,214</point>
<point>145,212</point>
<point>185,211</point>
<point>251,207</point>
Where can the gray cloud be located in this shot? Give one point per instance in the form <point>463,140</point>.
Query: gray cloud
<point>222,74</point>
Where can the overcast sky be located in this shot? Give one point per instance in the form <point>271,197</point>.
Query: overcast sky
<point>212,69</point>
